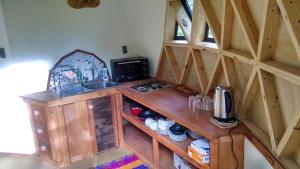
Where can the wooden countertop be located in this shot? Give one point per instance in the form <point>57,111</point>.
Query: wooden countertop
<point>166,101</point>
<point>173,105</point>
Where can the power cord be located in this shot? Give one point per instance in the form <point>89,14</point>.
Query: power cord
<point>235,157</point>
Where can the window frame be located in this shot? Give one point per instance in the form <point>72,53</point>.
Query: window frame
<point>187,8</point>
<point>206,38</point>
<point>176,37</point>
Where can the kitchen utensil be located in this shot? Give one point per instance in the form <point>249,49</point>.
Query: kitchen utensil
<point>175,137</point>
<point>146,114</point>
<point>162,127</point>
<point>223,104</point>
<point>194,135</point>
<point>136,110</point>
<point>148,121</point>
<point>177,129</point>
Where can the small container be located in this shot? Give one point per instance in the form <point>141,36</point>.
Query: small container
<point>197,106</point>
<point>162,127</point>
<point>148,121</point>
<point>191,101</point>
<point>208,104</point>
<point>177,138</point>
<point>136,110</point>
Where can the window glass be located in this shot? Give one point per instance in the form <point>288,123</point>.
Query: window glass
<point>191,4</point>
<point>179,35</point>
<point>208,36</point>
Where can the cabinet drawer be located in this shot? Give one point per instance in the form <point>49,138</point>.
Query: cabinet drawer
<point>38,113</point>
<point>41,132</point>
<point>44,149</point>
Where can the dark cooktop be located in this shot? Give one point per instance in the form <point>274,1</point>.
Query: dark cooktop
<point>150,86</point>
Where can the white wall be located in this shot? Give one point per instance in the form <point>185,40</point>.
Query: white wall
<point>43,29</point>
<point>39,33</point>
<point>253,158</point>
<point>3,38</point>
<point>146,21</point>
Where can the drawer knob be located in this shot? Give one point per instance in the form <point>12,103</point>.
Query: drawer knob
<point>36,112</point>
<point>91,107</point>
<point>43,148</point>
<point>40,131</point>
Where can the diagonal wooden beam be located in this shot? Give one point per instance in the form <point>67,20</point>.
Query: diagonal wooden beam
<point>200,70</point>
<point>174,65</point>
<point>216,73</point>
<point>246,20</point>
<point>227,24</point>
<point>268,32</point>
<point>159,68</point>
<point>183,19</point>
<point>271,107</point>
<point>291,15</point>
<point>212,20</point>
<point>199,23</point>
<point>170,21</point>
<point>291,137</point>
<point>231,78</point>
<point>283,71</point>
<point>249,94</point>
<point>187,64</point>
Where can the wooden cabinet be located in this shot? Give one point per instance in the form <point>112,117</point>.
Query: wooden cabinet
<point>37,114</point>
<point>103,123</point>
<point>74,129</point>
<point>78,130</point>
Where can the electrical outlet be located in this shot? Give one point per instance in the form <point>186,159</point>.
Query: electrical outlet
<point>124,49</point>
<point>2,53</point>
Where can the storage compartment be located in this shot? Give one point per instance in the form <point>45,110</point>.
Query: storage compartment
<point>165,157</point>
<point>180,148</point>
<point>138,142</point>
<point>103,122</point>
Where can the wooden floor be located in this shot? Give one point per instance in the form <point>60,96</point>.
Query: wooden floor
<point>14,162</point>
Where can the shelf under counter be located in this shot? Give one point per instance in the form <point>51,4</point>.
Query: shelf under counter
<point>180,148</point>
<point>139,143</point>
<point>173,105</point>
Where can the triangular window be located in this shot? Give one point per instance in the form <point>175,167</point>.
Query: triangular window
<point>208,35</point>
<point>179,35</point>
<point>188,7</point>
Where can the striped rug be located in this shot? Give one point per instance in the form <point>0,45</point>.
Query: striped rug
<point>127,162</point>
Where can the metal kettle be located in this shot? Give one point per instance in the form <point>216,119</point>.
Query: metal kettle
<point>223,104</point>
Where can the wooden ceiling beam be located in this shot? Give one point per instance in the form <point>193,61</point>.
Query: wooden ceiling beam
<point>283,71</point>
<point>200,70</point>
<point>247,23</point>
<point>271,106</point>
<point>173,63</point>
<point>187,65</point>
<point>216,73</point>
<point>227,25</point>
<point>268,31</point>
<point>249,94</point>
<point>291,16</point>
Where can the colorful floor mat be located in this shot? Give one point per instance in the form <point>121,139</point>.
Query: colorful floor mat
<point>127,162</point>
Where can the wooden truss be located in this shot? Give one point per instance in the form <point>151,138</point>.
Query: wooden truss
<point>282,139</point>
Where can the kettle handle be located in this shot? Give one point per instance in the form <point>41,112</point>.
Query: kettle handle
<point>228,102</point>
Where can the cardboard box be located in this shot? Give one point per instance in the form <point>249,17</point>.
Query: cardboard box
<point>198,157</point>
<point>201,146</point>
<point>180,163</point>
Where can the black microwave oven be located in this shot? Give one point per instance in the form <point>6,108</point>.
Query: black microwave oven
<point>128,69</point>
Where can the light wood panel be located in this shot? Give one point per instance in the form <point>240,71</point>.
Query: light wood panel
<point>257,44</point>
